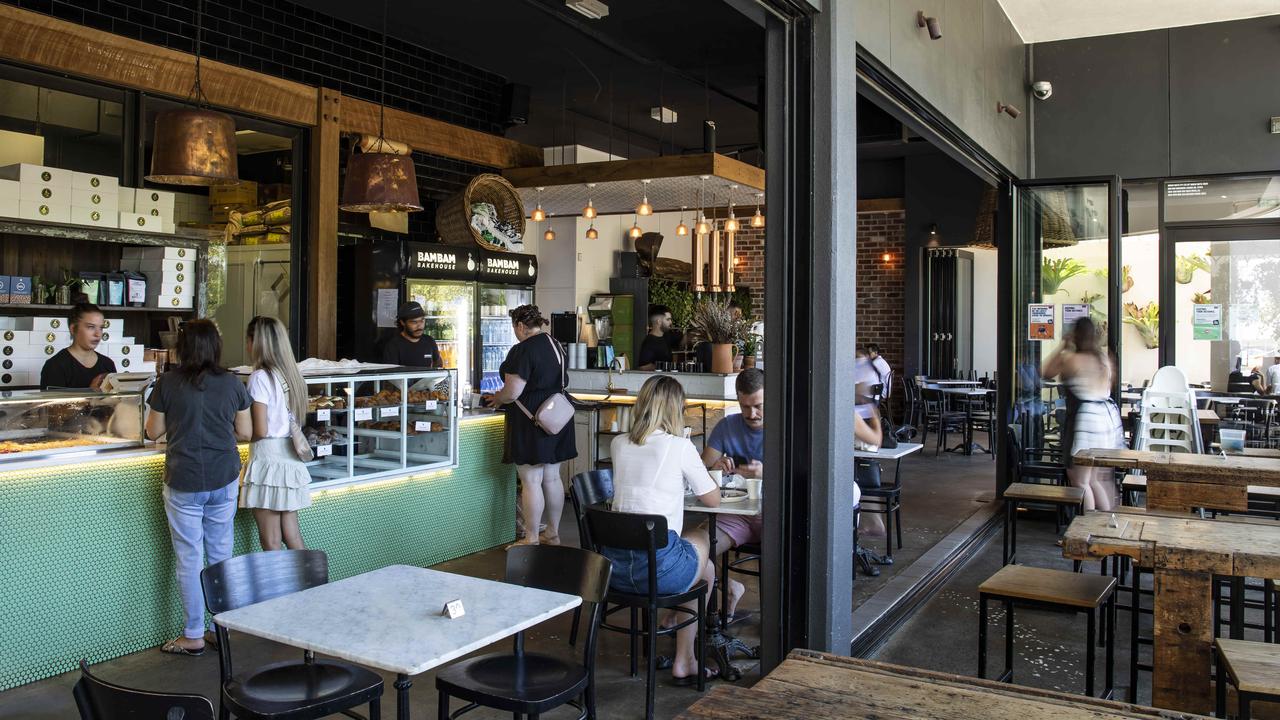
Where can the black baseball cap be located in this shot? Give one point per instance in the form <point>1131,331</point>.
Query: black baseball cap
<point>410,311</point>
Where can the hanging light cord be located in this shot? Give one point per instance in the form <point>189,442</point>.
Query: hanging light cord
<point>382,84</point>
<point>197,90</point>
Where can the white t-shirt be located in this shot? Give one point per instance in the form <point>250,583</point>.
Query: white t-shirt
<point>1273,379</point>
<point>649,479</point>
<point>264,389</point>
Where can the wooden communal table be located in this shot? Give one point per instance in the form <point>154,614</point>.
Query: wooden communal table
<point>1184,481</point>
<point>816,686</point>
<point>1184,554</point>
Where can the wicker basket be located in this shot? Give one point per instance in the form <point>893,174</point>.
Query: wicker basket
<point>453,216</point>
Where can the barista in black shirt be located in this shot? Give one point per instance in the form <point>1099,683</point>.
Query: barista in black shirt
<point>656,347</point>
<point>79,366</point>
<point>411,347</point>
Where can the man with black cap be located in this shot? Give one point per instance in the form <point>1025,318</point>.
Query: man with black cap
<point>411,347</point>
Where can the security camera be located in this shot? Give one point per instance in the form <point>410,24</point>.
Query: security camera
<point>1042,89</point>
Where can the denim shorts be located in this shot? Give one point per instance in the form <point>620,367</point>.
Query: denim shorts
<point>677,567</point>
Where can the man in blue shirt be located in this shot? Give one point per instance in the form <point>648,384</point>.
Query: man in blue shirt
<point>736,445</point>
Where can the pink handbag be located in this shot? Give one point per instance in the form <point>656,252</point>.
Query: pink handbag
<point>556,411</point>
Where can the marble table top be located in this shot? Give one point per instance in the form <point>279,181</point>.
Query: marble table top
<point>741,507</point>
<point>390,618</point>
<point>903,450</point>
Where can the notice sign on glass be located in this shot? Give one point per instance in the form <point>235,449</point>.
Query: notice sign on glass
<point>1039,322</point>
<point>1071,312</point>
<point>1206,322</point>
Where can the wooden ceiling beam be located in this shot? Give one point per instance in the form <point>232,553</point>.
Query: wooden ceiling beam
<point>712,164</point>
<point>34,39</point>
<point>437,137</point>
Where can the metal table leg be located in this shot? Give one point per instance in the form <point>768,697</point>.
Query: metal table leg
<point>403,683</point>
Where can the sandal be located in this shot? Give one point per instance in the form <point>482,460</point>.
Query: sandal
<point>692,680</point>
<point>173,648</point>
<point>519,543</point>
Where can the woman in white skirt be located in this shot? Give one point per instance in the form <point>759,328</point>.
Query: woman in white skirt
<point>275,484</point>
<point>1093,420</point>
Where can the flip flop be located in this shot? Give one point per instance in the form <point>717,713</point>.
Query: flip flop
<point>173,648</point>
<point>692,680</point>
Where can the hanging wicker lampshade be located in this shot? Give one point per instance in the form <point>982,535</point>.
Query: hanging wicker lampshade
<point>380,182</point>
<point>984,228</point>
<point>1055,222</point>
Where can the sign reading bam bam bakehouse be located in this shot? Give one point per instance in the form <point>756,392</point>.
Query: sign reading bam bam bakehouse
<point>446,262</point>
<point>508,268</point>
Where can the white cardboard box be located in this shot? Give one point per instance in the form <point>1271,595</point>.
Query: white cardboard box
<point>41,325</point>
<point>144,254</point>
<point>61,338</point>
<point>15,337</point>
<point>125,199</point>
<point>177,302</point>
<point>155,288</point>
<point>9,195</point>
<point>44,193</point>
<point>165,266</point>
<point>37,175</point>
<point>97,183</point>
<point>16,379</point>
<point>145,201</point>
<point>31,210</point>
<point>98,217</point>
<point>95,199</point>
<point>139,223</point>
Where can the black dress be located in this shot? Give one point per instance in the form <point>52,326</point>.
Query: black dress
<point>535,361</point>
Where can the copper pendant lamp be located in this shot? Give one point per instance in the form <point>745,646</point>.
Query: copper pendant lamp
<point>381,181</point>
<point>194,145</point>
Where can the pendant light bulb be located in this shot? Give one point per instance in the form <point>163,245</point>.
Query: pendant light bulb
<point>635,232</point>
<point>703,227</point>
<point>731,223</point>
<point>549,235</point>
<point>644,208</point>
<point>757,220</point>
<point>592,233</point>
<point>538,214</point>
<point>682,230</point>
<point>589,212</point>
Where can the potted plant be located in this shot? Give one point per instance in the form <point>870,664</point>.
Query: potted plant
<point>1053,273</point>
<point>750,346</point>
<point>722,330</point>
<point>1146,320</point>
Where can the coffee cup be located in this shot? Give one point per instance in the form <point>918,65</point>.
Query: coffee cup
<point>718,476</point>
<point>753,488</point>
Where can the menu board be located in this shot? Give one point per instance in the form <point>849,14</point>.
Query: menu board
<point>1039,322</point>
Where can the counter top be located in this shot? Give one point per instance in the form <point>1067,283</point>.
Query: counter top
<point>702,386</point>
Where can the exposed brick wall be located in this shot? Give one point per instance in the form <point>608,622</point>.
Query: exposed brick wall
<point>881,295</point>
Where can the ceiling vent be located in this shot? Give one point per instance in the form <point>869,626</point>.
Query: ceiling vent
<point>594,9</point>
<point>666,116</point>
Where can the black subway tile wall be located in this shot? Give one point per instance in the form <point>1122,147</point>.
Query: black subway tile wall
<point>280,38</point>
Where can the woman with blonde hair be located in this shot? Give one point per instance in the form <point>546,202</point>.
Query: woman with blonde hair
<point>275,482</point>
<point>651,466</point>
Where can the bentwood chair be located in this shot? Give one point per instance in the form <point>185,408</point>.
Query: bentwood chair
<point>283,690</point>
<point>648,533</point>
<point>531,683</point>
<point>98,699</point>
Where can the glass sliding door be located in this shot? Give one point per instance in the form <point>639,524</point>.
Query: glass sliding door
<point>1065,258</point>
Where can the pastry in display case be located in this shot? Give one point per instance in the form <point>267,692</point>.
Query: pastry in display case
<point>377,423</point>
<point>35,424</point>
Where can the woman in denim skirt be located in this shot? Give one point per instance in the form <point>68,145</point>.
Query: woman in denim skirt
<point>652,464</point>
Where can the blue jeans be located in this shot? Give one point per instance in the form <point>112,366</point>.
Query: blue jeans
<point>676,572</point>
<point>200,525</point>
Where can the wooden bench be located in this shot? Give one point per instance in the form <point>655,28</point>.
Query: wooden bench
<point>1060,496</point>
<point>1252,667</point>
<point>1058,590</point>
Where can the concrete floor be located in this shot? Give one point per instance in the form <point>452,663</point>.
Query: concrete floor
<point>939,493</point>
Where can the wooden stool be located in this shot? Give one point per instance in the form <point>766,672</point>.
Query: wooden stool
<point>1252,667</point>
<point>1057,590</point>
<point>1059,496</point>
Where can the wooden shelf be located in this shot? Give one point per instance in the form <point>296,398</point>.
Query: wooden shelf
<point>106,309</point>
<point>34,228</point>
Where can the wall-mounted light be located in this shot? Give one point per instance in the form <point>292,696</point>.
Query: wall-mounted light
<point>933,235</point>
<point>887,257</point>
<point>935,31</point>
<point>1009,110</point>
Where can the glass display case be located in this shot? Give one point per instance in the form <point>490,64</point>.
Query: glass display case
<point>36,425</point>
<point>448,307</point>
<point>377,423</point>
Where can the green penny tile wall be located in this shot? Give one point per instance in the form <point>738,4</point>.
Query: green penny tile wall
<point>86,569</point>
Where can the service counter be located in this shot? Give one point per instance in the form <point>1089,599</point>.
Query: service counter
<point>86,568</point>
<point>702,386</point>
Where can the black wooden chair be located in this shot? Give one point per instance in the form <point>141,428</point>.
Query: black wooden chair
<point>939,417</point>
<point>593,487</point>
<point>284,690</point>
<point>531,683</point>
<point>648,533</point>
<point>881,499</point>
<point>1032,464</point>
<point>98,699</point>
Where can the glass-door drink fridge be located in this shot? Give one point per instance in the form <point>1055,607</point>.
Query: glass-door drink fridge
<point>506,282</point>
<point>441,279</point>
